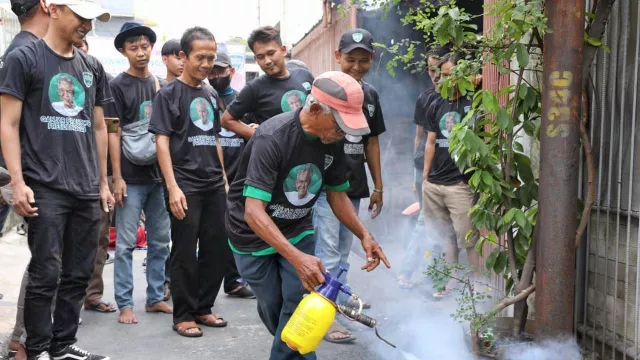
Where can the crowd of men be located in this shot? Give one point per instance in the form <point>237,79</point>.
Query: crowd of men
<point>256,191</point>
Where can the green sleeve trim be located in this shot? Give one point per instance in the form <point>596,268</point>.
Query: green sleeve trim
<point>252,192</point>
<point>271,251</point>
<point>343,187</point>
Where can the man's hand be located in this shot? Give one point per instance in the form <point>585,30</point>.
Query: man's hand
<point>254,126</point>
<point>375,204</point>
<point>106,197</point>
<point>177,203</point>
<point>310,270</point>
<point>23,197</point>
<point>374,253</point>
<point>120,191</point>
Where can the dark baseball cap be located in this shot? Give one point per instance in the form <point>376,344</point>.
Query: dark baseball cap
<point>222,59</point>
<point>356,39</point>
<point>21,7</point>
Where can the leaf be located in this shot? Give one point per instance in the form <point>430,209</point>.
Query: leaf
<point>517,146</point>
<point>501,262</point>
<point>523,165</point>
<point>491,260</point>
<point>454,13</point>
<point>480,245</point>
<point>502,118</point>
<point>486,178</point>
<point>521,220</point>
<point>529,127</point>
<point>522,55</point>
<point>508,217</point>
<point>490,102</point>
<point>522,92</point>
<point>594,41</point>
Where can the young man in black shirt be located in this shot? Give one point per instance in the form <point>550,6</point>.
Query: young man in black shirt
<point>232,146</point>
<point>34,22</point>
<point>446,195</point>
<point>171,58</point>
<point>59,184</point>
<point>412,252</point>
<point>137,181</point>
<point>284,166</point>
<point>186,122</point>
<point>270,94</point>
<point>333,239</point>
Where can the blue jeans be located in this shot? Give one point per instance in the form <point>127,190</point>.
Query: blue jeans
<point>333,239</point>
<point>413,249</point>
<point>150,198</point>
<point>279,291</point>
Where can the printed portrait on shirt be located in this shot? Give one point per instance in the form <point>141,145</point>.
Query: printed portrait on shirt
<point>302,184</point>
<point>145,110</point>
<point>66,94</point>
<point>448,121</point>
<point>202,114</point>
<point>293,100</point>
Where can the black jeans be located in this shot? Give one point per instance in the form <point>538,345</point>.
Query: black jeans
<point>63,241</point>
<point>196,279</point>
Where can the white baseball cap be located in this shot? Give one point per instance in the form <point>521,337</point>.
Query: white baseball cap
<point>86,9</point>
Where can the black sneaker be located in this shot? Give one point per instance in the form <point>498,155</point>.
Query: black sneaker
<point>42,356</point>
<point>73,352</point>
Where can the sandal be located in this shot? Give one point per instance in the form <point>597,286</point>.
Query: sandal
<point>183,329</point>
<point>215,324</point>
<point>98,307</point>
<point>336,327</point>
<point>242,292</point>
<point>167,292</point>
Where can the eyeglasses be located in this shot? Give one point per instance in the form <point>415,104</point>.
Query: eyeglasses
<point>218,72</point>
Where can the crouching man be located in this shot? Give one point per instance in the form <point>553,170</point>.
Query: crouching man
<point>283,168</point>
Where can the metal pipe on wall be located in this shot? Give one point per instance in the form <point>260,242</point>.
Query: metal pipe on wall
<point>559,146</point>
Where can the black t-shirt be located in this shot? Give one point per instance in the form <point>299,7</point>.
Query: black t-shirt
<point>57,133</point>
<point>441,117</point>
<point>133,101</point>
<point>178,112</point>
<point>267,97</point>
<point>22,38</point>
<point>354,145</point>
<point>285,167</point>
<point>423,103</point>
<point>232,144</point>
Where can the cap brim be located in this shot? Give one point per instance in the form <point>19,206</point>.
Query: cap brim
<point>352,47</point>
<point>221,64</point>
<point>352,123</point>
<point>90,11</point>
<point>118,42</point>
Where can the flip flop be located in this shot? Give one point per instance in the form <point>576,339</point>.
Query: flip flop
<point>213,324</point>
<point>336,327</point>
<point>182,331</point>
<point>96,307</point>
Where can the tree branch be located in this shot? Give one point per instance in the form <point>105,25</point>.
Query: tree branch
<point>506,302</point>
<point>595,30</point>
<point>511,251</point>
<point>591,172</point>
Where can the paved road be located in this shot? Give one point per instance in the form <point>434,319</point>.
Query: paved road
<point>407,318</point>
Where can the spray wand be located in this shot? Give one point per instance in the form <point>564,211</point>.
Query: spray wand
<point>357,316</point>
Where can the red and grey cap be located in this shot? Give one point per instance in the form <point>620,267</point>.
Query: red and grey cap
<point>344,96</point>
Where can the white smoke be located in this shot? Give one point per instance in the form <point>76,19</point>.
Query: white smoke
<point>546,350</point>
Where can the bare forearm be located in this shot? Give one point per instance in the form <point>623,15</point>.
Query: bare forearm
<point>102,140</point>
<point>260,222</point>
<point>10,136</point>
<point>221,157</point>
<point>230,123</point>
<point>429,153</point>
<point>372,152</point>
<point>164,161</point>
<point>345,212</point>
<point>115,151</point>
<point>418,138</point>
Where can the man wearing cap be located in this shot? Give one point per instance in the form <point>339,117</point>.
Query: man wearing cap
<point>354,56</point>
<point>137,184</point>
<point>271,236</point>
<point>220,78</point>
<point>266,96</point>
<point>60,184</point>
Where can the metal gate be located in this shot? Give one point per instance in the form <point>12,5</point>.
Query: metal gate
<point>607,296</point>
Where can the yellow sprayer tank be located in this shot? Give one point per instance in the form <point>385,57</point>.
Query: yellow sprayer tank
<point>309,323</point>
<point>313,316</point>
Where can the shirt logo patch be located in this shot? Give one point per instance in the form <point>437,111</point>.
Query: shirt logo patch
<point>328,160</point>
<point>292,100</point>
<point>307,86</point>
<point>357,37</point>
<point>353,139</point>
<point>88,78</point>
<point>302,184</point>
<point>215,103</point>
<point>66,94</point>
<point>372,109</point>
